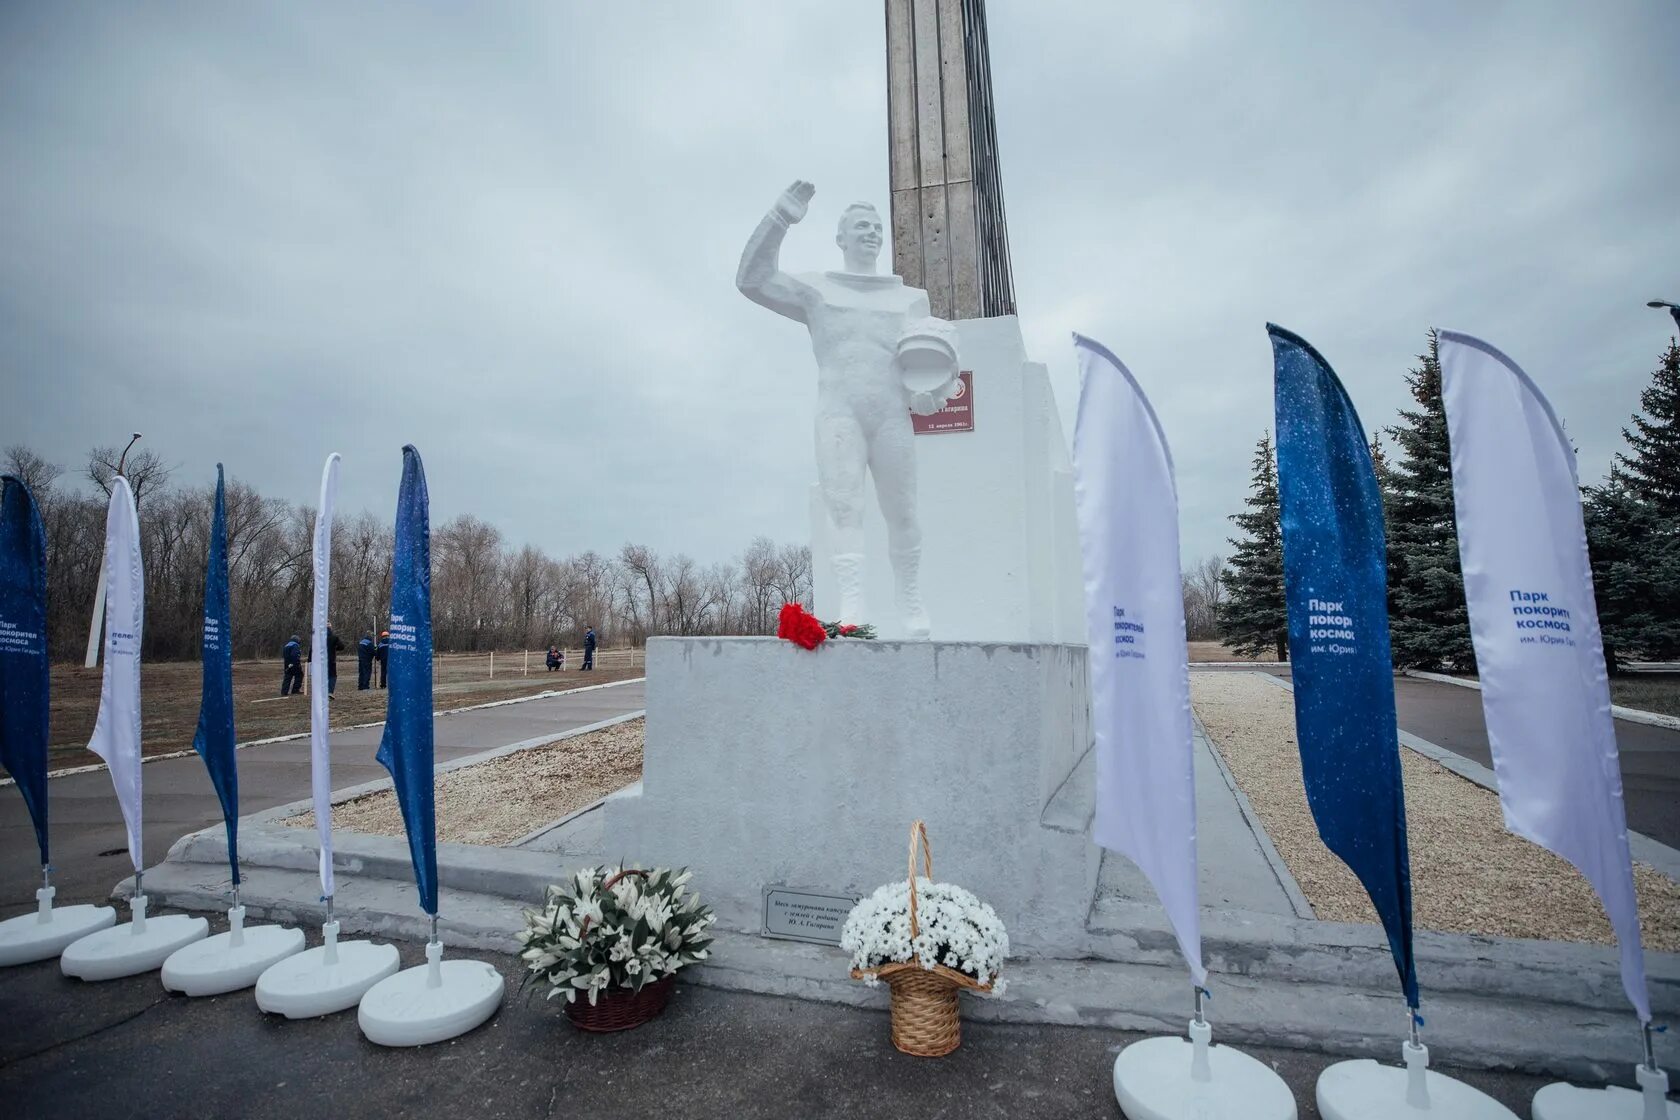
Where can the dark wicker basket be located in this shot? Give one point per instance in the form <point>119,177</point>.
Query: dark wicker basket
<point>620,1009</point>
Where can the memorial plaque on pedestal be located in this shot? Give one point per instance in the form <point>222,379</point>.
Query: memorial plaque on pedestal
<point>956,416</point>
<point>797,915</point>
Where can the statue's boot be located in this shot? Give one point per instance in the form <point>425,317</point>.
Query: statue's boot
<point>907,565</point>
<point>848,573</point>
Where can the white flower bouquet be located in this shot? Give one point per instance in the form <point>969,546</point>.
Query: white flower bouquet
<point>605,932</point>
<point>928,941</point>
<point>955,929</point>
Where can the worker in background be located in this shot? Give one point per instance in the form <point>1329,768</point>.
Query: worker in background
<point>588,650</point>
<point>553,659</point>
<point>364,661</point>
<point>334,644</point>
<point>382,653</point>
<point>291,667</point>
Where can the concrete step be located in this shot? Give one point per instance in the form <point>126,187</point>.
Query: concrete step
<point>1480,1029</point>
<point>1355,957</point>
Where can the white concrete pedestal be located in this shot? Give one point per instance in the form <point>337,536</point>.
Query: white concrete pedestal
<point>136,946</point>
<point>430,1002</point>
<point>47,932</point>
<point>1368,1090</point>
<point>767,765</point>
<point>329,978</point>
<point>1571,1102</point>
<point>1186,1079</point>
<point>228,962</point>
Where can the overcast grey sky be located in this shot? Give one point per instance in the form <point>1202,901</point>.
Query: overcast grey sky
<point>507,233</point>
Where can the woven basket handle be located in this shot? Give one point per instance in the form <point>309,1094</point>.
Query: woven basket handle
<point>918,830</point>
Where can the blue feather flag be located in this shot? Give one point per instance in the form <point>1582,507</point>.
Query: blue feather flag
<point>215,738</point>
<point>1335,575</point>
<point>25,676</point>
<point>406,748</point>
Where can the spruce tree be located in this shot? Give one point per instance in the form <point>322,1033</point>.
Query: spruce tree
<point>1385,487</point>
<point>1429,625</point>
<point>1651,464</point>
<point>1254,618</point>
<point>1633,529</point>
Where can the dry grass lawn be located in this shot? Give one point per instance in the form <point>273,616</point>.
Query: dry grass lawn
<point>499,801</point>
<point>1469,875</point>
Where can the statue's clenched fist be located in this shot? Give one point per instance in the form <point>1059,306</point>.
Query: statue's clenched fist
<point>792,204</point>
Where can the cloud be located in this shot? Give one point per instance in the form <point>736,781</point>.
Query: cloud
<point>508,234</point>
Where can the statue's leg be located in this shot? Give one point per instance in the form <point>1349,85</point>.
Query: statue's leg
<point>892,460</point>
<point>842,457</point>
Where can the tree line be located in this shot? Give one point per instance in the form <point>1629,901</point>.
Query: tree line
<point>1632,521</point>
<point>486,593</point>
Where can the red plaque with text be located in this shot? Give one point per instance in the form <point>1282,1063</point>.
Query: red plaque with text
<point>956,416</point>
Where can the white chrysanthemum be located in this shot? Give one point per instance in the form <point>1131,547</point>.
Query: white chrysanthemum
<point>954,929</point>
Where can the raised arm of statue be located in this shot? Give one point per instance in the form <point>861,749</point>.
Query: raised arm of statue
<point>759,278</point>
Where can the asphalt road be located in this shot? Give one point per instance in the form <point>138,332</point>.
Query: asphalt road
<point>90,847</point>
<point>70,1049</point>
<point>1450,716</point>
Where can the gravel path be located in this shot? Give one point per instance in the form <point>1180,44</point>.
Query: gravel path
<point>499,801</point>
<point>1469,875</point>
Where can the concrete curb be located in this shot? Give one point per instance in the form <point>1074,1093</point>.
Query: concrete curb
<point>1632,715</point>
<point>1492,1002</point>
<point>1643,848</point>
<point>90,768</point>
<point>1194,665</point>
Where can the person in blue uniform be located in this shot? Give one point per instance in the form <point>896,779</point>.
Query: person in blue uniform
<point>588,650</point>
<point>364,662</point>
<point>291,667</point>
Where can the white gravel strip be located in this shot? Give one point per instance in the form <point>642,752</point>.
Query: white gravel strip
<point>498,801</point>
<point>1469,875</point>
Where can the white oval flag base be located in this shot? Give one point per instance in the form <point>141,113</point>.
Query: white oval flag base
<point>47,932</point>
<point>1175,1079</point>
<point>229,961</point>
<point>137,946</point>
<point>330,978</point>
<point>431,1002</point>
<point>1365,1090</point>
<point>1566,1102</point>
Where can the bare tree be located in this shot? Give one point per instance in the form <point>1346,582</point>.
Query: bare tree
<point>145,470</point>
<point>1204,589</point>
<point>642,577</point>
<point>793,576</point>
<point>33,471</point>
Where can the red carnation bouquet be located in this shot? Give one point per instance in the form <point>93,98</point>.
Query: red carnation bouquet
<point>806,630</point>
<point>801,627</point>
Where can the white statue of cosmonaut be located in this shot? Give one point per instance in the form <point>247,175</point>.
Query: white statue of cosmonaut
<point>878,352</point>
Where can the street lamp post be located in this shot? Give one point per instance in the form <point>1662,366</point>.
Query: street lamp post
<point>1673,309</point>
<point>92,659</point>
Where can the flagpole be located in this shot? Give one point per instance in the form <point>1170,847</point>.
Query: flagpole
<point>1336,587</point>
<point>144,943</point>
<point>1545,689</point>
<point>1126,501</point>
<point>437,1000</point>
<point>94,627</point>
<point>335,975</point>
<point>25,704</point>
<point>230,961</point>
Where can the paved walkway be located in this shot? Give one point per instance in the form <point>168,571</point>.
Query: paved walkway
<point>89,848</point>
<point>1451,717</point>
<point>70,1049</point>
<point>1237,867</point>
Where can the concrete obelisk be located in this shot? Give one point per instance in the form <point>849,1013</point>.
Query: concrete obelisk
<point>948,228</point>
